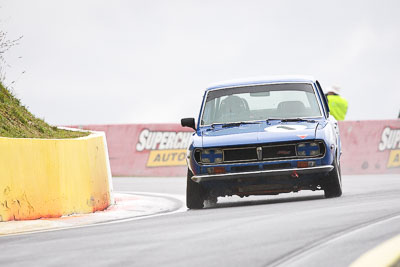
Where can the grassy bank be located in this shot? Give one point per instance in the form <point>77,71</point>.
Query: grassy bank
<point>16,121</point>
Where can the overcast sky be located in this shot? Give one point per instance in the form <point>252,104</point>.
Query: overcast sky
<point>94,62</point>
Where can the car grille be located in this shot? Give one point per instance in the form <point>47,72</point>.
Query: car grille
<point>264,153</point>
<point>276,152</point>
<point>240,154</point>
<point>267,153</point>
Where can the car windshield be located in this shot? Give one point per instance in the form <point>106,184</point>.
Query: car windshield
<point>260,102</point>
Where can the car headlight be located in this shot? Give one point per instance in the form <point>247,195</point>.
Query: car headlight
<point>314,152</point>
<point>218,160</point>
<point>209,156</point>
<point>310,149</point>
<point>314,149</point>
<point>301,153</point>
<point>205,160</point>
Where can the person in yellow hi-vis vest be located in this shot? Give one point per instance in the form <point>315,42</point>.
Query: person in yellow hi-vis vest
<point>337,104</point>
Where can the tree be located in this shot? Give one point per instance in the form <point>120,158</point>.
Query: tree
<point>5,45</point>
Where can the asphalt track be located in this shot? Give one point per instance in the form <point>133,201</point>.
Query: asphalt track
<point>302,229</point>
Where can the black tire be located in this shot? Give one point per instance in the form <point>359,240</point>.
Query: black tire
<point>194,193</point>
<point>333,185</point>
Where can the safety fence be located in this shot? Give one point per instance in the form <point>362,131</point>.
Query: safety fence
<point>45,178</point>
<point>160,149</point>
<point>370,147</point>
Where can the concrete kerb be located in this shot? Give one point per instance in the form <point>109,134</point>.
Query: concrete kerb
<point>128,206</point>
<point>386,254</point>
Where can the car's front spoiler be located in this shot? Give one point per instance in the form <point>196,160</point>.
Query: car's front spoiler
<point>264,173</point>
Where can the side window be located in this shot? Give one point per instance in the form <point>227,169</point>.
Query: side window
<point>208,112</point>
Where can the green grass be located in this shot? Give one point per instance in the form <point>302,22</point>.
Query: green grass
<point>16,121</point>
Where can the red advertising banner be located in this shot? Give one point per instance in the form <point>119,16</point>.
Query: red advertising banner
<point>370,146</point>
<point>146,149</point>
<point>160,149</point>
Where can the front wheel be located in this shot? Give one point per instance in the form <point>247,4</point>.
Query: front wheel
<point>194,193</point>
<point>333,185</point>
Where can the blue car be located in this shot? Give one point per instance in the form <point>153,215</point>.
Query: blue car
<point>263,137</point>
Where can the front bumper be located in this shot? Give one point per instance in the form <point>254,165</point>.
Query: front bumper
<point>265,173</point>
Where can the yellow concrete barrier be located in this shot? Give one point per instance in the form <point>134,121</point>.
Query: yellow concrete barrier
<point>42,178</point>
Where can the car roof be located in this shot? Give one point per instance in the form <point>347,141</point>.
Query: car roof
<point>262,80</point>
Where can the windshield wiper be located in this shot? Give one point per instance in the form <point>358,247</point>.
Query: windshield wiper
<point>234,124</point>
<point>297,119</point>
<point>215,124</point>
<point>271,119</point>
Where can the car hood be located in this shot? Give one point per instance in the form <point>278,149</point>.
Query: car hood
<point>258,133</point>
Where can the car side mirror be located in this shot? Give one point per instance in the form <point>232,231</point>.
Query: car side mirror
<point>188,122</point>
